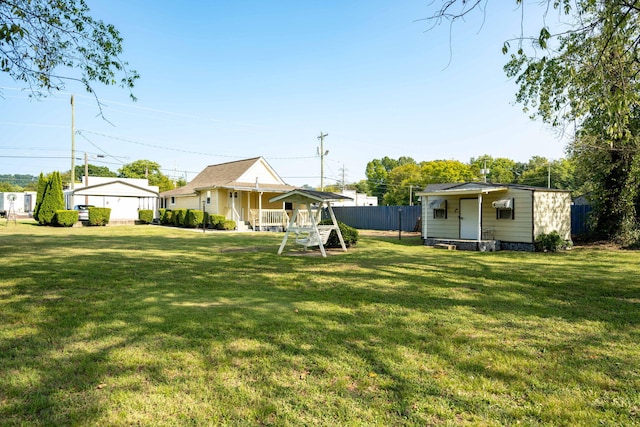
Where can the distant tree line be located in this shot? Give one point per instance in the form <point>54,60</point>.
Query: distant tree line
<point>395,181</point>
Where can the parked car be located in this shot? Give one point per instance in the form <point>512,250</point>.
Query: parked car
<point>83,211</point>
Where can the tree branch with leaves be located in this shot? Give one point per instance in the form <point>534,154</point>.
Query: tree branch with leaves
<point>45,44</point>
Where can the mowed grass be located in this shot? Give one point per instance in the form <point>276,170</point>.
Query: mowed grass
<point>147,325</point>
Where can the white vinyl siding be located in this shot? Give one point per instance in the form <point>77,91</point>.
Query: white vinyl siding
<point>518,229</point>
<point>447,228</point>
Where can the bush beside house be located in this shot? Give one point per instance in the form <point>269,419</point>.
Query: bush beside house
<point>64,218</point>
<point>145,216</point>
<point>99,216</point>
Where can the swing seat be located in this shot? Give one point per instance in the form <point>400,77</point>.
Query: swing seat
<point>307,237</point>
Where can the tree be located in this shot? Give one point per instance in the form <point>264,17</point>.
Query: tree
<point>42,186</point>
<point>52,199</point>
<point>38,38</point>
<point>586,76</point>
<point>400,182</point>
<point>94,171</point>
<point>501,170</point>
<point>443,171</point>
<point>146,169</point>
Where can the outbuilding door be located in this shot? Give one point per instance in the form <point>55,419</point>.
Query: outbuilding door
<point>469,219</point>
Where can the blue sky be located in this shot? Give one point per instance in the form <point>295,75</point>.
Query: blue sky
<point>227,80</point>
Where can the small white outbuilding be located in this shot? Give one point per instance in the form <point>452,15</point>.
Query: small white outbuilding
<point>485,216</point>
<point>124,196</point>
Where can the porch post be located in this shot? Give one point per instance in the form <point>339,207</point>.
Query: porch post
<point>479,217</point>
<point>260,210</point>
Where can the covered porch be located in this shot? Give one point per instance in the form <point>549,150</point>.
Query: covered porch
<point>453,218</point>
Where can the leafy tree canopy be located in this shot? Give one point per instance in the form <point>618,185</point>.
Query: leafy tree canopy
<point>45,43</point>
<point>146,169</point>
<point>94,171</point>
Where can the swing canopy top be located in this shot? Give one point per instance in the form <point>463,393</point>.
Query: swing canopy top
<point>308,196</point>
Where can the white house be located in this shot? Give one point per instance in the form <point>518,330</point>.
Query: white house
<point>124,196</point>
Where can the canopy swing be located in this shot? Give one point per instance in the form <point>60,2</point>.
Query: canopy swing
<point>309,233</point>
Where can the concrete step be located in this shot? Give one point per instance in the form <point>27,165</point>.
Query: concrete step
<point>445,246</point>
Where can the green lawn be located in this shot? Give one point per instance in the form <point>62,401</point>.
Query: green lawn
<point>158,326</point>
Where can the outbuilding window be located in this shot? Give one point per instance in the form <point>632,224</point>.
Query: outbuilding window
<point>504,209</point>
<point>439,208</point>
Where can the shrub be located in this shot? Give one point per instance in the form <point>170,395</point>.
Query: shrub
<point>64,218</point>
<point>217,221</point>
<point>551,242</point>
<point>99,216</point>
<point>349,234</point>
<point>166,217</point>
<point>193,218</point>
<point>228,224</point>
<point>178,217</point>
<point>145,215</point>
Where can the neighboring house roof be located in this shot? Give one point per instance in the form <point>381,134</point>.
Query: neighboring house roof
<point>476,188</point>
<point>237,175</point>
<point>306,196</point>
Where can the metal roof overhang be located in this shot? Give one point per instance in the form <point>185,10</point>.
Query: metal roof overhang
<point>464,191</point>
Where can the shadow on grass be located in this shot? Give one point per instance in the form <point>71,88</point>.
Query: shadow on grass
<point>173,326</point>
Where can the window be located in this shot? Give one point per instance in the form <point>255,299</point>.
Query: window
<point>504,209</point>
<point>440,214</point>
<point>208,200</point>
<point>173,200</point>
<point>439,207</point>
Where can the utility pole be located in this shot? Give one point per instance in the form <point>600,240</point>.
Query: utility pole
<point>344,182</point>
<point>73,144</point>
<point>410,195</point>
<point>86,176</point>
<point>549,175</point>
<point>484,171</point>
<point>322,154</point>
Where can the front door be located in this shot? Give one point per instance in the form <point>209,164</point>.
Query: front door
<point>469,219</point>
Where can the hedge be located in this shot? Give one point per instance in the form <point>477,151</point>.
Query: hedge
<point>227,224</point>
<point>64,218</point>
<point>217,221</point>
<point>166,216</point>
<point>193,218</point>
<point>178,217</point>
<point>99,216</point>
<point>145,216</point>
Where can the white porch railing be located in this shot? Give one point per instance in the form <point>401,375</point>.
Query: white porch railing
<point>279,218</point>
<point>268,218</point>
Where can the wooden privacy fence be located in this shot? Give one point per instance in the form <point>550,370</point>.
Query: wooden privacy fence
<point>403,218</point>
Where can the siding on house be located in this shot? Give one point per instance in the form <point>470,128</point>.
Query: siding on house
<point>552,212</point>
<point>448,227</point>
<point>518,229</point>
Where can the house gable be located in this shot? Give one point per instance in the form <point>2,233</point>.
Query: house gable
<point>261,173</point>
